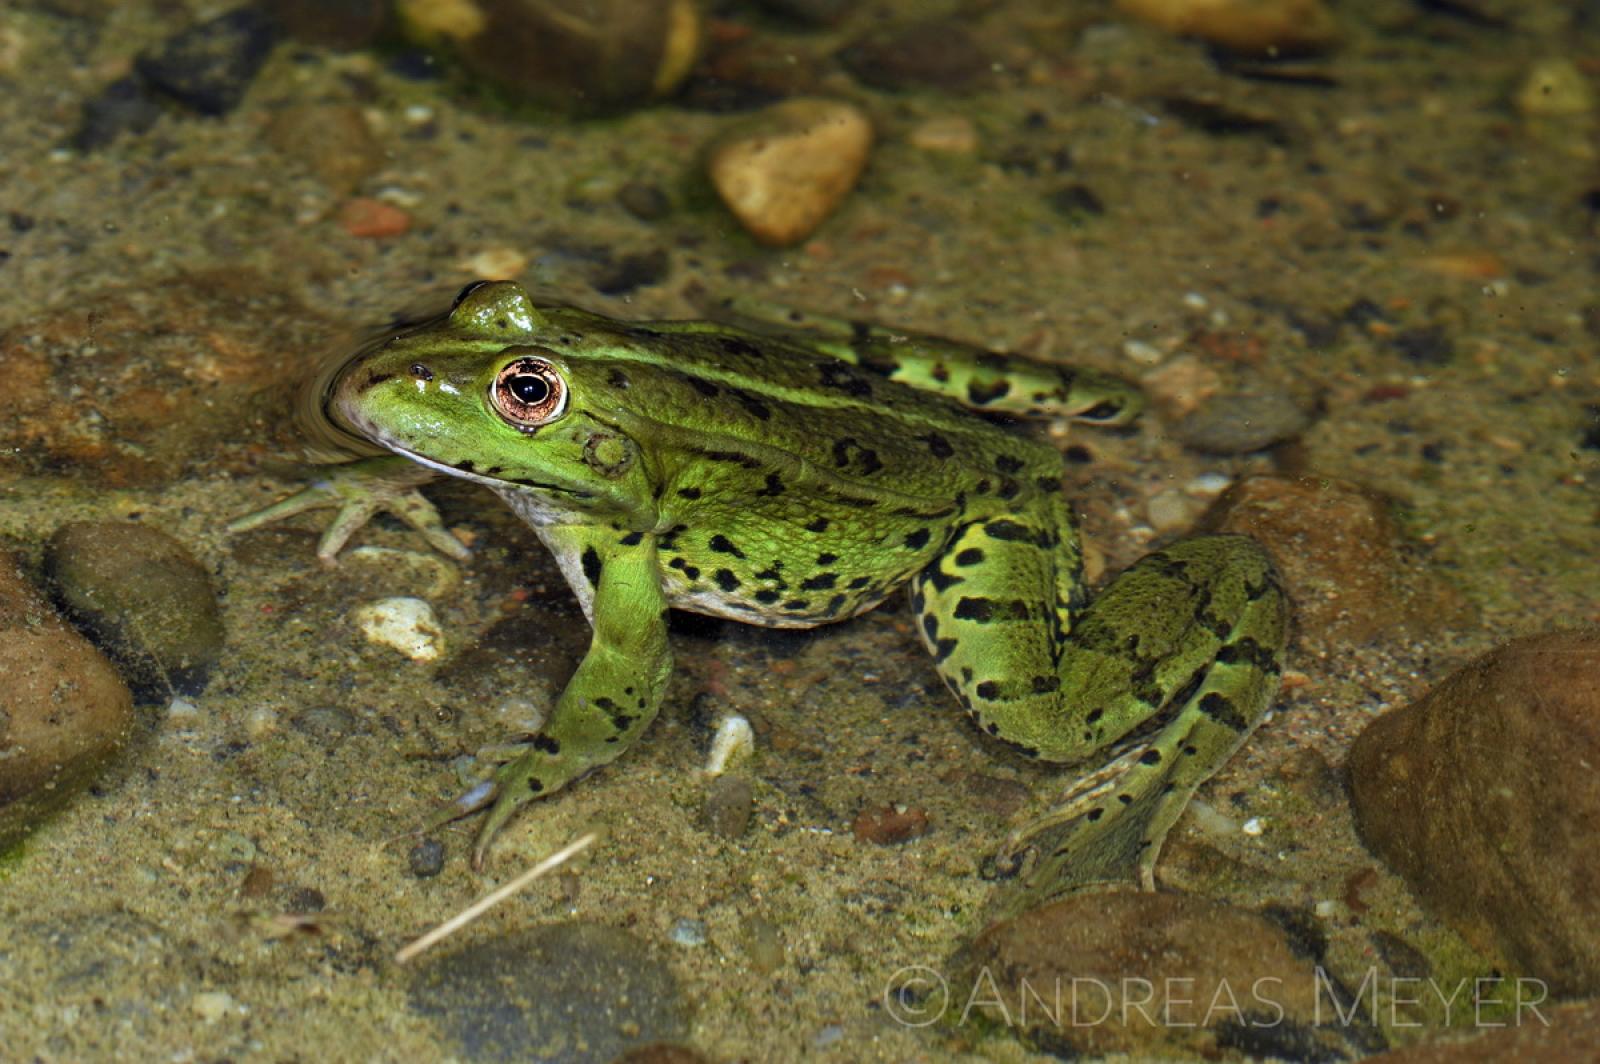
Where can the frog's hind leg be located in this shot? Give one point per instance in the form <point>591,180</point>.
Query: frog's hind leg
<point>1170,669</point>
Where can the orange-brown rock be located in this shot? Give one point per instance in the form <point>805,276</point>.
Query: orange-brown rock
<point>1339,554</point>
<point>64,709</point>
<point>1483,795</point>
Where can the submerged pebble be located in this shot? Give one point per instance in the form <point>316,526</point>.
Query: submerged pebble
<point>64,714</point>
<point>405,624</point>
<point>1239,424</point>
<point>1250,27</point>
<point>733,745</point>
<point>730,804</point>
<point>688,931</point>
<point>574,993</point>
<point>332,140</point>
<point>595,55</point>
<point>1483,795</point>
<point>373,219</point>
<point>1555,87</point>
<point>783,170</point>
<point>1339,554</point>
<point>144,598</point>
<point>936,54</point>
<point>890,825</point>
<point>426,858</point>
<point>1151,975</point>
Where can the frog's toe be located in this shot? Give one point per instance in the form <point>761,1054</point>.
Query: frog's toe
<point>1063,853</point>
<point>414,509</point>
<point>315,497</point>
<point>508,798</point>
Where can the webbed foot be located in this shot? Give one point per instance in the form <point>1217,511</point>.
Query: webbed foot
<point>358,491</point>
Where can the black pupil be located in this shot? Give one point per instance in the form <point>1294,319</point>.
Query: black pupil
<point>529,389</point>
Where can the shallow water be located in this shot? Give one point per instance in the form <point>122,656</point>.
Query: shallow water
<point>1392,243</point>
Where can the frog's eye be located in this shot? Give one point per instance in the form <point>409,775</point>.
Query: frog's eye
<point>528,393</point>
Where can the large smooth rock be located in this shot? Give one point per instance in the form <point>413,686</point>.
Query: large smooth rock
<point>569,993</point>
<point>581,54</point>
<point>144,598</point>
<point>1340,555</point>
<point>1153,975</point>
<point>1484,795</point>
<point>64,711</point>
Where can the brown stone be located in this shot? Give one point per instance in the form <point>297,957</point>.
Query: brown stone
<point>331,139</point>
<point>783,170</point>
<point>1549,1034</point>
<point>1339,554</point>
<point>889,825</point>
<point>143,597</point>
<point>1483,795</point>
<point>64,711</point>
<point>581,54</point>
<point>1151,975</point>
<point>1249,27</point>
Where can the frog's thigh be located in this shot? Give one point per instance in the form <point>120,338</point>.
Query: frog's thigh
<point>990,615</point>
<point>1182,648</point>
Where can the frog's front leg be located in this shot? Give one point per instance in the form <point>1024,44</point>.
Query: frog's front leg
<point>357,491</point>
<point>1171,667</point>
<point>614,694</point>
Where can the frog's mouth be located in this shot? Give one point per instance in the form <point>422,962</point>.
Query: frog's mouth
<point>465,471</point>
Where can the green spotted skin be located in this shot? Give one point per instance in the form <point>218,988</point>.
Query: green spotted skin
<point>795,478</point>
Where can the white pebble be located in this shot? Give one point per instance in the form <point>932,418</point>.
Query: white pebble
<point>947,133</point>
<point>260,722</point>
<point>400,197</point>
<point>1209,819</point>
<point>1145,354</point>
<point>406,624</point>
<point>521,715</point>
<point>212,1005</point>
<point>687,931</point>
<point>182,711</point>
<point>1253,826</point>
<point>497,264</point>
<point>1209,484</point>
<point>735,742</point>
<point>1170,510</point>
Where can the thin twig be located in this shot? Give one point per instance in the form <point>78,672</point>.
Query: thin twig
<point>496,896</point>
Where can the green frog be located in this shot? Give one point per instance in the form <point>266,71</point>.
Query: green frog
<point>796,479</point>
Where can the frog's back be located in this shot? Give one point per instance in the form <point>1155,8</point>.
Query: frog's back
<point>722,393</point>
<point>790,488</point>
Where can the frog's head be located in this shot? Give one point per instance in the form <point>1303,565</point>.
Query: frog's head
<point>485,393</point>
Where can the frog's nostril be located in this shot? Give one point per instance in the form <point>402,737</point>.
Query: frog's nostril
<point>421,372</point>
